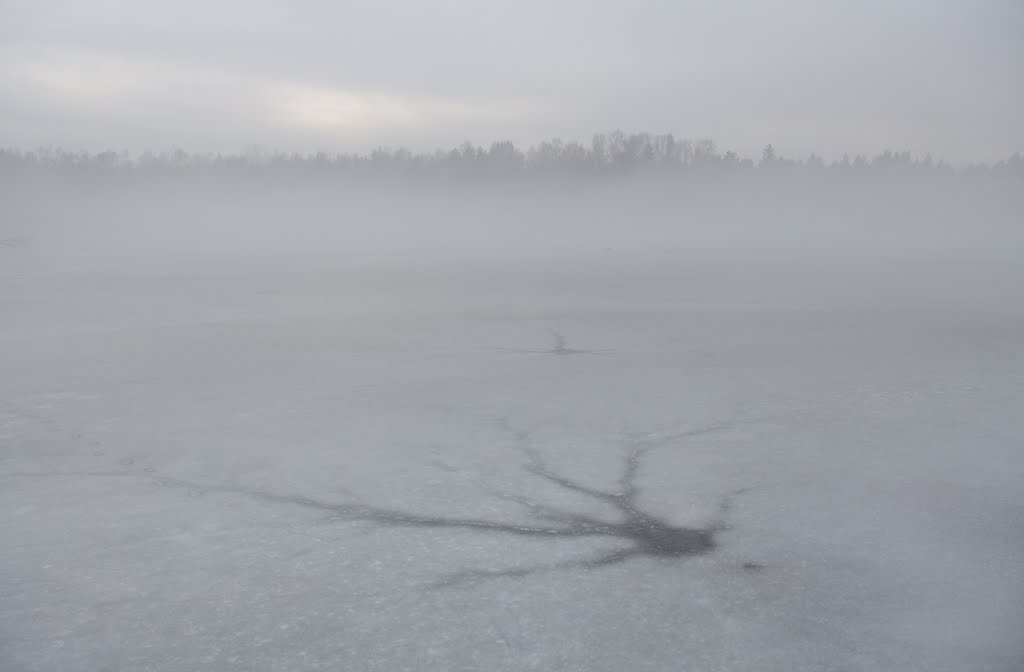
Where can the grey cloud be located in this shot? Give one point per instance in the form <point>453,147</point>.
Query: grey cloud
<point>808,76</point>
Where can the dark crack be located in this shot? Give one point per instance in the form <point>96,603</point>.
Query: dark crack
<point>639,532</point>
<point>642,534</point>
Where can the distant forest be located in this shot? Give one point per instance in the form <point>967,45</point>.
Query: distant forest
<point>608,154</point>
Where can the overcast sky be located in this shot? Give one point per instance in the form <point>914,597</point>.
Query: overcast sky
<point>825,76</point>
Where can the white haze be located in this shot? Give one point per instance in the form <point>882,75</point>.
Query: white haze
<point>844,76</point>
<point>245,421</point>
<point>339,400</point>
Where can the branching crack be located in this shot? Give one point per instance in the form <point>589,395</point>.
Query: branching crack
<point>642,534</point>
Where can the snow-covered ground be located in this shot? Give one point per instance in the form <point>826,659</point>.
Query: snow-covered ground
<point>695,463</point>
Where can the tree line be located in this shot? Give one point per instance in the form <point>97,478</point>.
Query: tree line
<point>614,153</point>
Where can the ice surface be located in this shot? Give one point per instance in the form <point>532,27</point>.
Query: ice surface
<point>694,462</point>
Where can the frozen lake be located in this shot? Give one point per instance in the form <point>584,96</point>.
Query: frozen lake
<point>700,463</point>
